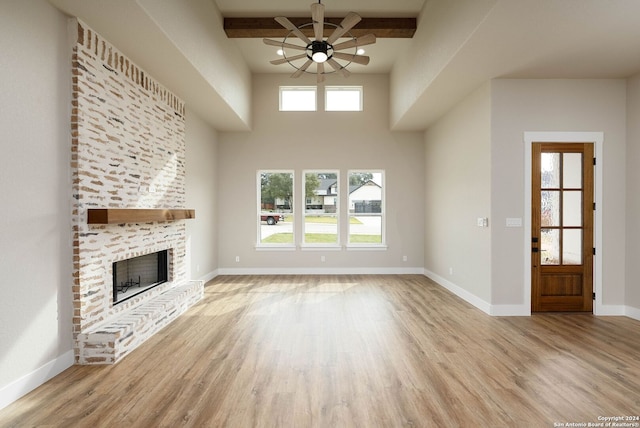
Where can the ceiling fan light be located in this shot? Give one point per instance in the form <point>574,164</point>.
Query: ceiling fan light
<point>319,56</point>
<point>319,51</point>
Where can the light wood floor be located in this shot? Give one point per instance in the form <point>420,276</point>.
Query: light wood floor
<point>362,351</point>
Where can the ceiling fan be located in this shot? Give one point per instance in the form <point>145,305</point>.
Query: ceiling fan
<point>320,50</point>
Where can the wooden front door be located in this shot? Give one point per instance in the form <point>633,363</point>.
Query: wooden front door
<point>562,227</point>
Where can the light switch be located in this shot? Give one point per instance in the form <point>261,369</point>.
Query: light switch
<point>483,222</point>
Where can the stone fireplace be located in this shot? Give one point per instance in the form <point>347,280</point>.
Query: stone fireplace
<point>128,153</point>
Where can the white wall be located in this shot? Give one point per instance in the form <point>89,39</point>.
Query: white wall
<point>320,140</point>
<point>457,192</point>
<point>632,292</point>
<point>35,187</point>
<point>202,195</point>
<point>555,105</point>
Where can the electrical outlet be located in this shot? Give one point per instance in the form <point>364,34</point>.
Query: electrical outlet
<point>322,259</point>
<point>237,259</point>
<point>450,271</point>
<point>404,258</point>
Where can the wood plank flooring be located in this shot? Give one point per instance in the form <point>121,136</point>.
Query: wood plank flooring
<point>351,351</point>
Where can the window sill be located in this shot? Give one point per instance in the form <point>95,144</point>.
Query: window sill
<point>366,247</point>
<point>275,247</point>
<point>321,247</point>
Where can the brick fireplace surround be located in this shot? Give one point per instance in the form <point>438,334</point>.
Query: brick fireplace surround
<point>128,151</point>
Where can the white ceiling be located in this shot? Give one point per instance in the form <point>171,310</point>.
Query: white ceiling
<point>515,39</point>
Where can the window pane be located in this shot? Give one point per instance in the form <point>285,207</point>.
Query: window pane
<point>550,246</point>
<point>343,98</point>
<point>572,208</point>
<point>572,247</point>
<point>321,207</point>
<point>275,219</point>
<point>366,207</point>
<point>550,208</point>
<point>550,170</point>
<point>572,171</point>
<point>300,98</point>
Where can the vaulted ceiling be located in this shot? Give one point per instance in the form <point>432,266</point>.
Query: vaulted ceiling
<point>458,45</point>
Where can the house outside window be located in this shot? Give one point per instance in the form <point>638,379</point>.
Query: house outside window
<point>321,212</point>
<point>366,208</point>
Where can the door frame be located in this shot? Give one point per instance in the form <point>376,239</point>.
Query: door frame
<point>597,138</point>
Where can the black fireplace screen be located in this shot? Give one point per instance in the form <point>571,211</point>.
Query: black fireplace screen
<point>135,275</point>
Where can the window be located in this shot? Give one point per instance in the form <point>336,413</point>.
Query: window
<point>321,214</point>
<point>275,208</point>
<point>366,208</point>
<point>343,98</point>
<point>298,98</point>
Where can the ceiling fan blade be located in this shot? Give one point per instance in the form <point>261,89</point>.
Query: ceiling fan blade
<point>320,72</point>
<point>347,24</point>
<point>317,15</point>
<point>368,39</point>
<point>287,59</point>
<point>283,45</point>
<point>337,67</point>
<point>358,59</point>
<point>302,69</point>
<point>289,26</point>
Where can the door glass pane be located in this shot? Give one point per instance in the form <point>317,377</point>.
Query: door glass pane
<point>550,246</point>
<point>572,247</point>
<point>572,208</point>
<point>572,171</point>
<point>550,208</point>
<point>550,170</point>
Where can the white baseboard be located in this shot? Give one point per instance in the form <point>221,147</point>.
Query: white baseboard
<point>510,310</point>
<point>320,271</point>
<point>29,382</point>
<point>632,312</point>
<point>609,310</point>
<point>459,291</point>
<point>209,276</point>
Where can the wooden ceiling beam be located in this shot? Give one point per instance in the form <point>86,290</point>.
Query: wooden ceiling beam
<point>243,28</point>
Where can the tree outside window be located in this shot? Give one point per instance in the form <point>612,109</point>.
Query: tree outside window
<point>276,214</point>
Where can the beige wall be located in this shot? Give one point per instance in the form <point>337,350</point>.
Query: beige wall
<point>457,193</point>
<point>555,105</point>
<point>320,140</point>
<point>35,231</point>
<point>201,195</point>
<point>632,296</point>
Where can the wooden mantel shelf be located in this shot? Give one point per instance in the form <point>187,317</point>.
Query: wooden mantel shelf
<point>136,215</point>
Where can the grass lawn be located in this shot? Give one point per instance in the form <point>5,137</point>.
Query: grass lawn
<point>321,238</point>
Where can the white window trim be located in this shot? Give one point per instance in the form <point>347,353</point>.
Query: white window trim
<point>269,246</point>
<point>329,246</point>
<point>314,89</point>
<point>383,227</point>
<point>328,89</point>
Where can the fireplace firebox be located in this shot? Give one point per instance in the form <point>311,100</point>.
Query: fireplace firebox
<point>138,274</point>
